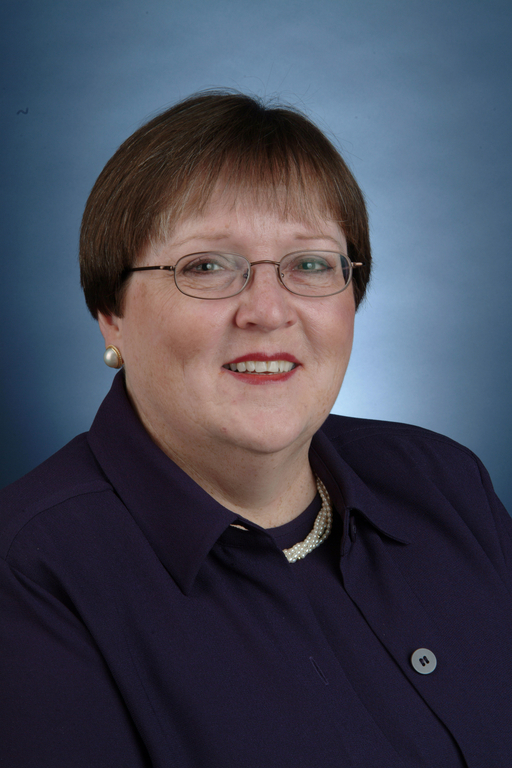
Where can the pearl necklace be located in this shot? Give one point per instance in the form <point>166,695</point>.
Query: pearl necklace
<point>320,531</point>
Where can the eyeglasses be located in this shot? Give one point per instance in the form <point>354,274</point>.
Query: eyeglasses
<point>215,275</point>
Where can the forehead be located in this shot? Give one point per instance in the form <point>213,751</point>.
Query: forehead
<point>232,210</point>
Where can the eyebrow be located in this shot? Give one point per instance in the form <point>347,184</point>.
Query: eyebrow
<point>317,237</point>
<point>228,235</point>
<point>202,237</point>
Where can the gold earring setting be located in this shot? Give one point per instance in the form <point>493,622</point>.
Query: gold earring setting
<point>113,357</point>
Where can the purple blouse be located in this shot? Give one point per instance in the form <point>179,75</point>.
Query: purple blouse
<point>140,628</point>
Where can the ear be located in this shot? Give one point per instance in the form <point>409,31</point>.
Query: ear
<point>110,327</point>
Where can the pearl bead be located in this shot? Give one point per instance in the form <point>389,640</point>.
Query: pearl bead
<point>112,358</point>
<point>319,533</point>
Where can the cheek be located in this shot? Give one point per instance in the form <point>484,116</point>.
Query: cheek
<point>185,336</point>
<point>152,317</point>
<point>333,330</point>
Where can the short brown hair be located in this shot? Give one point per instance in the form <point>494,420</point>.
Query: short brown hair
<point>171,165</point>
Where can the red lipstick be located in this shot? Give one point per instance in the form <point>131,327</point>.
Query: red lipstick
<point>262,356</point>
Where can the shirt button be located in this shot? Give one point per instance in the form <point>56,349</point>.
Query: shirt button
<point>352,530</point>
<point>423,661</point>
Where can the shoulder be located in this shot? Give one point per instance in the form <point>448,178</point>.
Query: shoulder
<point>426,479</point>
<point>68,475</point>
<point>346,429</point>
<point>385,443</point>
<point>407,464</point>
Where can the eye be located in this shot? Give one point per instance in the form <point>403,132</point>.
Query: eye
<point>206,264</point>
<point>310,263</point>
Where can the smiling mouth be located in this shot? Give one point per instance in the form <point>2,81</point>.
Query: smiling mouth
<point>261,366</point>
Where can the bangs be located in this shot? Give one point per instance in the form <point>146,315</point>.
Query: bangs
<point>291,194</point>
<point>270,167</point>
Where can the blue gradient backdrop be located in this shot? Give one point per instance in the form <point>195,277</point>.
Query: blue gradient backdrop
<point>418,95</point>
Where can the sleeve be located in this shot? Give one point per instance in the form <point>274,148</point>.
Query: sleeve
<point>59,704</point>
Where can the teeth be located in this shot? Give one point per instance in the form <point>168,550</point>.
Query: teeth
<point>262,366</point>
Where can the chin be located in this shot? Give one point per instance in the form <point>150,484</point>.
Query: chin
<point>269,434</point>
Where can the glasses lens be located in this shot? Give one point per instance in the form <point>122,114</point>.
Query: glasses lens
<point>316,273</point>
<point>211,275</point>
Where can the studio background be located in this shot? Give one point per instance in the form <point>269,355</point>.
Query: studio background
<point>418,97</point>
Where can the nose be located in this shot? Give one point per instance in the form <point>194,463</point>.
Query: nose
<point>265,303</point>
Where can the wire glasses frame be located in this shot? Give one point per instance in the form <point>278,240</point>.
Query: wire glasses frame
<point>313,274</point>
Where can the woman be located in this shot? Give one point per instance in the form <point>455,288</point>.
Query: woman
<point>219,573</point>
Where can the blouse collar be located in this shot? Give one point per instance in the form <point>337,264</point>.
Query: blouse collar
<point>181,521</point>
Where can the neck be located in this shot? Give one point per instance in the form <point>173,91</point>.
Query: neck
<point>268,486</point>
<point>267,489</point>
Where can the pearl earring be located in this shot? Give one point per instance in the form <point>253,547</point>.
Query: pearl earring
<point>112,357</point>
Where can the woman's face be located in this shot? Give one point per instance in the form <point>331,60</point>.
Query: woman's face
<point>177,349</point>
